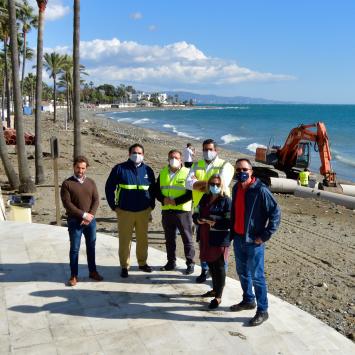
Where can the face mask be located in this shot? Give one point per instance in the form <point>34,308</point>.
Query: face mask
<point>209,155</point>
<point>242,176</point>
<point>215,190</point>
<point>174,163</point>
<point>136,158</point>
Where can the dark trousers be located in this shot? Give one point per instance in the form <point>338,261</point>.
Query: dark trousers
<point>75,231</point>
<point>218,273</point>
<point>188,164</point>
<point>171,221</point>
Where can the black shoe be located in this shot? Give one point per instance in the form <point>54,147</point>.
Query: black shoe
<point>124,272</point>
<point>242,306</point>
<point>190,269</point>
<point>145,268</point>
<point>203,277</point>
<point>168,267</point>
<point>259,318</point>
<point>210,293</point>
<point>214,304</point>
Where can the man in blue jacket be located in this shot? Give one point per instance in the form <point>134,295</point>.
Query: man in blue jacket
<point>130,192</point>
<point>255,216</point>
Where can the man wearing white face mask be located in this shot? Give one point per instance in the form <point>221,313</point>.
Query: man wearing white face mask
<point>130,192</point>
<point>197,181</point>
<point>176,210</point>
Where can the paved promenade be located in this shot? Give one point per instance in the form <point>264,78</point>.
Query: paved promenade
<point>158,313</point>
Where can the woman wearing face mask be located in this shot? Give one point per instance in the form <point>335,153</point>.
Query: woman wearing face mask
<point>212,215</point>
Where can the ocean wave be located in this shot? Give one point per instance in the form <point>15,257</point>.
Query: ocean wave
<point>179,133</point>
<point>124,119</point>
<point>141,121</point>
<point>229,138</point>
<point>252,147</point>
<point>343,159</point>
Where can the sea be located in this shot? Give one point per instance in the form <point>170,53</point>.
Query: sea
<point>243,128</point>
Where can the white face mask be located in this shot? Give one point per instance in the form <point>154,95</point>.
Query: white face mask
<point>209,155</point>
<point>136,158</point>
<point>174,163</point>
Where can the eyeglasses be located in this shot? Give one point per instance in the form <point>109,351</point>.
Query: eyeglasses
<point>238,170</point>
<point>213,184</point>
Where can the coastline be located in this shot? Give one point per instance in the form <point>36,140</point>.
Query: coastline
<point>308,261</point>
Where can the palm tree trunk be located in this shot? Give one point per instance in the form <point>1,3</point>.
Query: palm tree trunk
<point>55,97</point>
<point>3,97</point>
<point>67,119</point>
<point>7,79</point>
<point>9,169</point>
<point>76,78</point>
<point>23,60</point>
<point>38,131</point>
<point>26,183</point>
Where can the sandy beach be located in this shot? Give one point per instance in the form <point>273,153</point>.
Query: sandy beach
<point>309,261</point>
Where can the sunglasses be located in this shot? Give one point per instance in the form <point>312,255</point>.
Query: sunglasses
<point>238,170</point>
<point>213,184</point>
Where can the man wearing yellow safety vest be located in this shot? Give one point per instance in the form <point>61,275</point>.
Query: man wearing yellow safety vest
<point>176,210</point>
<point>197,181</point>
<point>303,177</point>
<point>130,192</point>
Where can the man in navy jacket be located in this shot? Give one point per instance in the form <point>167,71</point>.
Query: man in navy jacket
<point>255,216</point>
<point>130,192</point>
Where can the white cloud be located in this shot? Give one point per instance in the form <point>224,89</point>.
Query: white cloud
<point>152,28</point>
<point>136,16</point>
<point>174,65</point>
<point>54,10</point>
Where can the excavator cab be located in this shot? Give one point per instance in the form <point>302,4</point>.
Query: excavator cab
<point>303,155</point>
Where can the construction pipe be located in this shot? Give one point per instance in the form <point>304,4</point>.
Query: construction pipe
<point>339,199</point>
<point>348,189</point>
<point>281,185</point>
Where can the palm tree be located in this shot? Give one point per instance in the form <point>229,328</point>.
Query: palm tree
<point>26,184</point>
<point>76,78</point>
<point>53,62</point>
<point>28,20</point>
<point>39,69</point>
<point>66,81</point>
<point>29,85</point>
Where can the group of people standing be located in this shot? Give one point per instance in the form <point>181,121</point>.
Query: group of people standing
<point>195,194</point>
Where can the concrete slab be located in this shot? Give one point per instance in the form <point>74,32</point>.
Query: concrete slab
<point>153,313</point>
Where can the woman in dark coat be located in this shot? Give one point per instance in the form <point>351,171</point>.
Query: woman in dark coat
<point>212,215</point>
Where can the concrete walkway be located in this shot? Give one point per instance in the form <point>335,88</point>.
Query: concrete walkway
<point>158,313</point>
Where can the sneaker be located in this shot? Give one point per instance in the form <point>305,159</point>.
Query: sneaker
<point>95,276</point>
<point>241,306</point>
<point>124,272</point>
<point>73,281</point>
<point>203,277</point>
<point>145,268</point>
<point>190,269</point>
<point>168,266</point>
<point>259,318</point>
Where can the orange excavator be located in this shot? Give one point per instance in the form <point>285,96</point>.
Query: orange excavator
<point>295,154</point>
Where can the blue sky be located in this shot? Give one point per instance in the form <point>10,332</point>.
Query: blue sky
<point>275,49</point>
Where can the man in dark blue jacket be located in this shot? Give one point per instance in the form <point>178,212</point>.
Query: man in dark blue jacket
<point>130,192</point>
<point>255,216</point>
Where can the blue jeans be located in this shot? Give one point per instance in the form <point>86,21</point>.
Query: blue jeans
<point>249,259</point>
<point>75,232</point>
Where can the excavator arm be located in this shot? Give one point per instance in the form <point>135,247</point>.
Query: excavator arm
<point>287,156</point>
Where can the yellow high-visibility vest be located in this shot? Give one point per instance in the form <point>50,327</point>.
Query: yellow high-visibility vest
<point>201,175</point>
<point>304,176</point>
<point>174,187</point>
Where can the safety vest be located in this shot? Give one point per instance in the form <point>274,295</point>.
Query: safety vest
<point>201,175</point>
<point>174,187</point>
<point>304,175</point>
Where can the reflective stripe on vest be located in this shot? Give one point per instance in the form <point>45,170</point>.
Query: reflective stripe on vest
<point>174,187</point>
<point>201,175</point>
<point>119,187</point>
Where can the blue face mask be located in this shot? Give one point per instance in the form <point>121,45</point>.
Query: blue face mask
<point>242,176</point>
<point>215,190</point>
